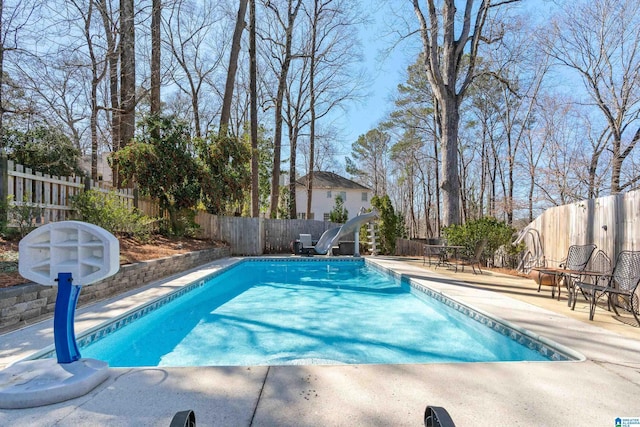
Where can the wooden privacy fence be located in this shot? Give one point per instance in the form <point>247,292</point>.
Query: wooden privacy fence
<point>612,223</point>
<point>406,247</point>
<point>257,236</point>
<point>279,233</point>
<point>51,195</point>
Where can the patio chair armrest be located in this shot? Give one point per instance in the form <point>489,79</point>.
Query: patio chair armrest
<point>590,286</point>
<point>620,291</point>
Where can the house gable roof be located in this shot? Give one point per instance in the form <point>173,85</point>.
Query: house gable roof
<point>329,180</point>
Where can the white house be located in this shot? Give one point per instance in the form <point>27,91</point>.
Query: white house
<point>326,186</point>
<point>105,174</point>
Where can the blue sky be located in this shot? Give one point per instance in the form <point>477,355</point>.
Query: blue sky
<point>384,72</point>
<point>385,75</point>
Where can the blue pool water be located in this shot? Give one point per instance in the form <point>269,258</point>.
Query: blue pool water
<point>304,312</point>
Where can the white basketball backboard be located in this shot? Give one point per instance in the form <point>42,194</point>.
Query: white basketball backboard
<point>90,253</point>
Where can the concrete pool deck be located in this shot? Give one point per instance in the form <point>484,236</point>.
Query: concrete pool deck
<point>593,392</point>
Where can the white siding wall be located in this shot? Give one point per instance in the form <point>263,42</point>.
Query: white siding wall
<point>321,204</point>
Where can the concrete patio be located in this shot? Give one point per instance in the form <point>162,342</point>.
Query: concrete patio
<point>593,392</point>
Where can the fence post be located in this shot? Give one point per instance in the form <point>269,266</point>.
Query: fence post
<point>135,197</point>
<point>261,236</point>
<point>4,187</point>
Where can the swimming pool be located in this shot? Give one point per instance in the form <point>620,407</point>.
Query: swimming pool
<point>307,311</point>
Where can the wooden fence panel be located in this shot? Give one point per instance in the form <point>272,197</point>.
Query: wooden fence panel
<point>414,248</point>
<point>149,207</point>
<point>612,223</point>
<point>257,236</point>
<point>51,196</point>
<point>243,235</point>
<point>280,233</point>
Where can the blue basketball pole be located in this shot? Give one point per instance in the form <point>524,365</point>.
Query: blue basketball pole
<point>63,332</point>
<point>31,383</point>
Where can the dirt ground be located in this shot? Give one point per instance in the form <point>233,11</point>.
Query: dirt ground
<point>131,251</point>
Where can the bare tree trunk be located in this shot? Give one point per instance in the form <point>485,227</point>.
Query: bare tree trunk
<point>312,108</point>
<point>412,191</point>
<point>93,124</point>
<point>292,12</point>
<point>450,183</point>
<point>483,171</point>
<point>114,93</point>
<point>225,114</point>
<point>127,73</point>
<point>619,157</point>
<point>86,15</point>
<point>530,199</point>
<point>296,120</point>
<point>436,176</point>
<point>2,149</point>
<point>96,77</point>
<point>617,160</point>
<point>427,203</point>
<point>294,131</point>
<point>253,76</point>
<point>195,105</point>
<point>277,147</point>
<point>510,172</point>
<point>156,14</point>
<point>449,78</point>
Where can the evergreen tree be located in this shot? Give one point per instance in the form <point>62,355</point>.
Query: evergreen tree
<point>339,213</point>
<point>159,161</point>
<point>368,161</point>
<point>390,225</point>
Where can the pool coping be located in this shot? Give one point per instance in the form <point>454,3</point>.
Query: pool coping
<point>551,350</point>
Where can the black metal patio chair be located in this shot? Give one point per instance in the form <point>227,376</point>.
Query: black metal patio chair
<point>621,286</point>
<point>578,257</point>
<point>597,272</point>
<point>599,263</point>
<point>474,258</point>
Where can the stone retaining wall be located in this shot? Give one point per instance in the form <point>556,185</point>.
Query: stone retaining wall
<point>26,304</point>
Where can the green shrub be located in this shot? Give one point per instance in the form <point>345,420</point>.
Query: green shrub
<point>390,225</point>
<point>513,254</point>
<point>24,216</point>
<point>184,224</point>
<point>108,211</point>
<point>339,214</point>
<point>4,209</point>
<point>497,233</point>
<point>18,219</point>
